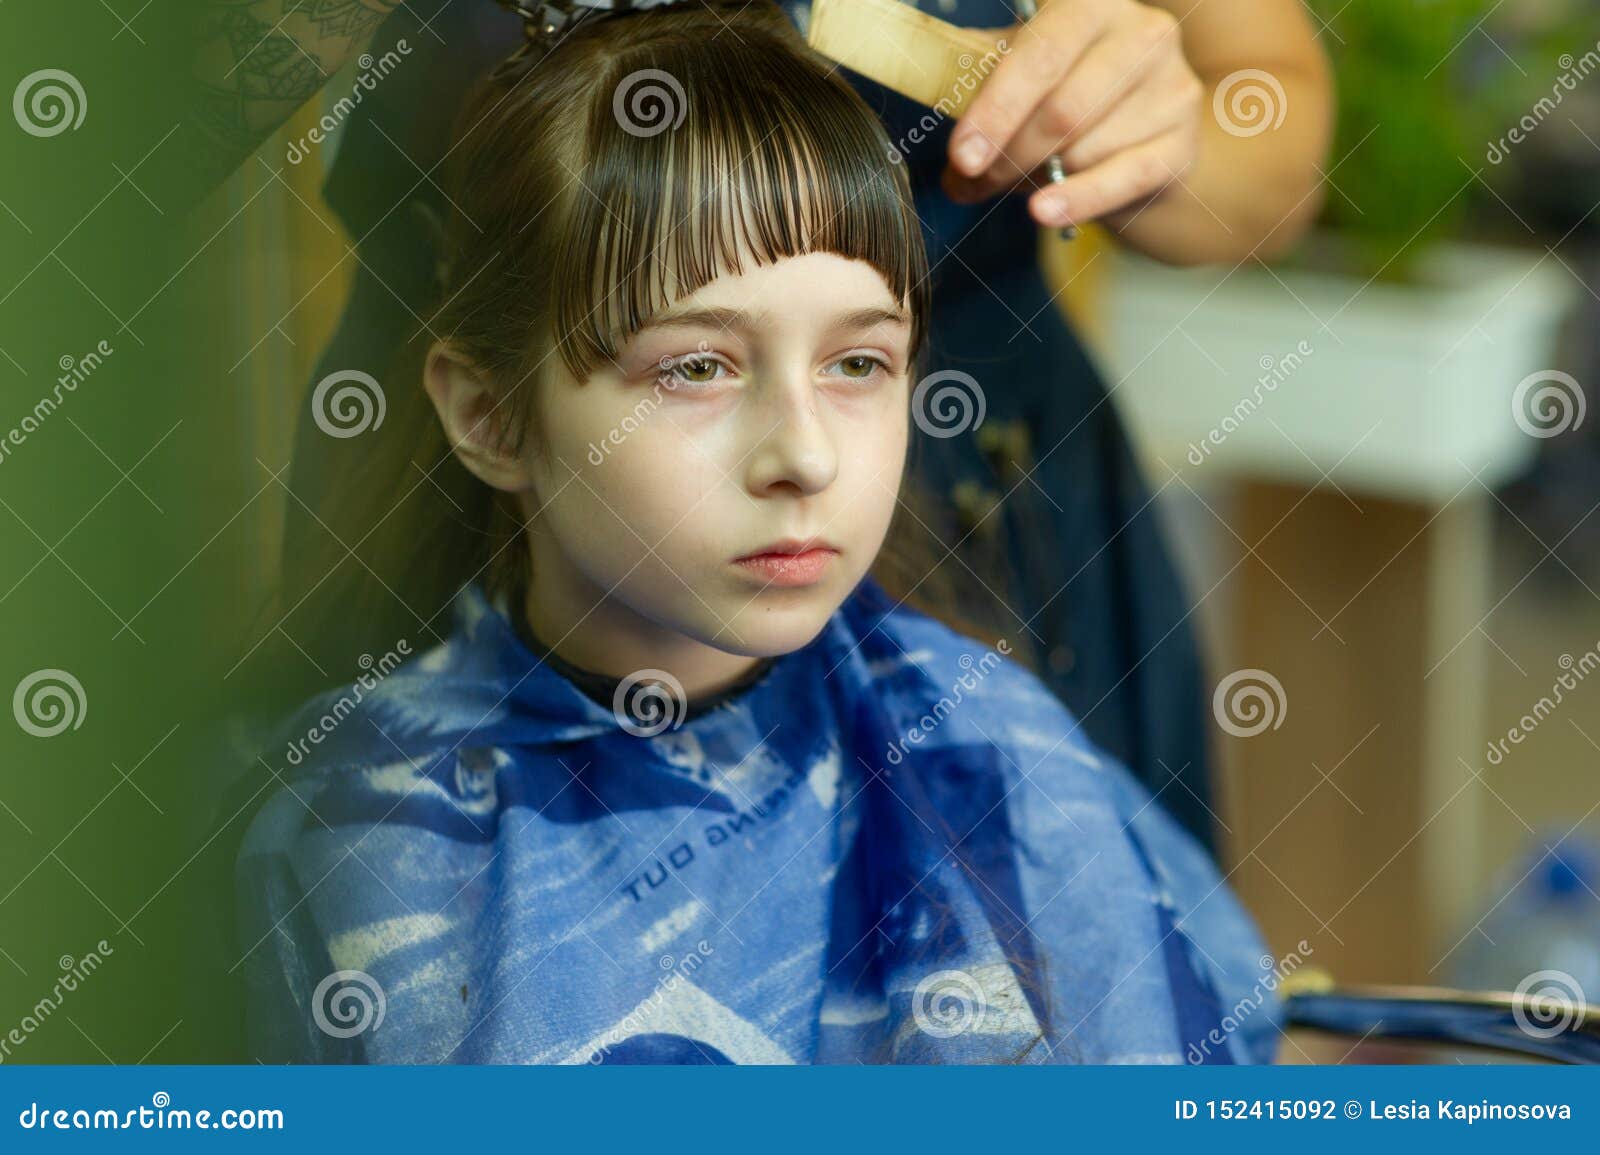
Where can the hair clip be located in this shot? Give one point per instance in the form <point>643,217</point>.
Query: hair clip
<point>545,23</point>
<point>542,26</point>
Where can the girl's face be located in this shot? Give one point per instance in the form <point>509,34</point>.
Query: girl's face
<point>731,477</point>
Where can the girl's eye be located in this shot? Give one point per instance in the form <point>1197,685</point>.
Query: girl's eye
<point>861,366</point>
<point>694,369</point>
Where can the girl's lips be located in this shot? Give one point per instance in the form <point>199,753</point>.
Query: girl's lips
<point>789,569</point>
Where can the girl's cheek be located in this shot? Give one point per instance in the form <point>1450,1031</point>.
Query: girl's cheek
<point>881,428</point>
<point>657,475</point>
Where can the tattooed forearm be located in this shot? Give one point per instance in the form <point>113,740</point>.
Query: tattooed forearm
<point>260,60</point>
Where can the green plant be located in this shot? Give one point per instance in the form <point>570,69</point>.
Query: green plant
<point>1410,126</point>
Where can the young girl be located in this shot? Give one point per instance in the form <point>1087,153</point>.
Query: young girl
<point>682,781</point>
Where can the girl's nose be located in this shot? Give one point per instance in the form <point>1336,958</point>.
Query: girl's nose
<point>795,450</point>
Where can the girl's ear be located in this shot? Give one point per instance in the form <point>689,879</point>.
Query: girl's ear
<point>467,409</point>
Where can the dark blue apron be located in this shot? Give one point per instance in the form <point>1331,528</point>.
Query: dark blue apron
<point>1107,616</point>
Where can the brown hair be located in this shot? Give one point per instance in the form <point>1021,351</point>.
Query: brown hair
<point>641,148</point>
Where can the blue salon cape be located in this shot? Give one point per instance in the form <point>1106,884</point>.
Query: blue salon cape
<point>479,863</point>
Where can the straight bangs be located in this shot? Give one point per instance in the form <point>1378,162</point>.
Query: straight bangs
<point>697,159</point>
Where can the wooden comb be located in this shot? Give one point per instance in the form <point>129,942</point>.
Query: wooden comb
<point>919,56</point>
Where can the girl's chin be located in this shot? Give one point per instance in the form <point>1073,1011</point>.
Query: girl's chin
<point>756,631</point>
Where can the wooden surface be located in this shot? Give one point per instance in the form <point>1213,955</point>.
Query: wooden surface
<point>1355,825</point>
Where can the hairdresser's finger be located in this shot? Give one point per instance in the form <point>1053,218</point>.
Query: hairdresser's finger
<point>1123,63</point>
<point>1131,175</point>
<point>1171,103</point>
<point>1039,53</point>
<point>1112,81</point>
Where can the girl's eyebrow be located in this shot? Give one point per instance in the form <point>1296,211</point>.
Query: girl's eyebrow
<point>726,318</point>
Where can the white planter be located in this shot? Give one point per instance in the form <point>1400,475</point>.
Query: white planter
<point>1403,391</point>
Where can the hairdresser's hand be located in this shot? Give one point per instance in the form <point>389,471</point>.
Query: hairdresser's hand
<point>1102,83</point>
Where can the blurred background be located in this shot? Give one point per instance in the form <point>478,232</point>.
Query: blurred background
<point>1378,457</point>
<point>1381,458</point>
